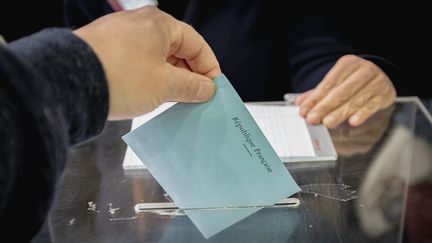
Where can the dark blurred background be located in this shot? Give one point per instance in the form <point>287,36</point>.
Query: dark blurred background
<point>20,18</point>
<point>398,33</point>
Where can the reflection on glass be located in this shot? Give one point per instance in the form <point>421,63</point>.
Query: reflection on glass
<point>272,224</point>
<point>383,189</point>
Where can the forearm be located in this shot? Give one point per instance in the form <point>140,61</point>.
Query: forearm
<point>53,93</point>
<point>71,80</point>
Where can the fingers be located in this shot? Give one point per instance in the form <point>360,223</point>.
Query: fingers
<point>187,86</point>
<point>342,93</point>
<point>178,62</point>
<point>363,98</point>
<point>372,98</point>
<point>149,58</point>
<point>303,97</point>
<point>343,68</point>
<point>363,90</point>
<point>364,113</point>
<point>374,105</point>
<point>189,45</point>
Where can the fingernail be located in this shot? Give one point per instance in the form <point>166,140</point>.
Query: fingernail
<point>314,117</point>
<point>205,91</point>
<point>329,121</point>
<point>304,111</point>
<point>354,120</point>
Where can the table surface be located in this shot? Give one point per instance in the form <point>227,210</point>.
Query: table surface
<point>379,190</point>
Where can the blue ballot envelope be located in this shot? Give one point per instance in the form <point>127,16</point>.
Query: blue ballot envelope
<point>213,160</point>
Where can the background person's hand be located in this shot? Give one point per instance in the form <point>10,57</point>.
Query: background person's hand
<point>353,89</point>
<point>150,58</point>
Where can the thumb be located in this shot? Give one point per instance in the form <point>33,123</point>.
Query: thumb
<point>187,86</point>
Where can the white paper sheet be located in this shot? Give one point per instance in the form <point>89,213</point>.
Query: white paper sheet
<point>282,125</point>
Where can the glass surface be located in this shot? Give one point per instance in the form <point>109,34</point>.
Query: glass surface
<point>379,190</point>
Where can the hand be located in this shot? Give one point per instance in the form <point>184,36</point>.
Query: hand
<point>353,89</point>
<point>150,58</point>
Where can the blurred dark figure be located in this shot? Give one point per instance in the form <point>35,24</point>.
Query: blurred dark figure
<point>395,33</point>
<point>265,49</point>
<point>258,33</point>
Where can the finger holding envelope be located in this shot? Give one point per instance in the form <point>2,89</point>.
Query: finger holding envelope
<point>354,89</point>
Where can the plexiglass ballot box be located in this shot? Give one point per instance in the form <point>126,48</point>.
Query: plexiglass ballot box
<point>378,190</point>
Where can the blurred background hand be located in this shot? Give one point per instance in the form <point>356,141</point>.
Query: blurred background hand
<point>353,90</point>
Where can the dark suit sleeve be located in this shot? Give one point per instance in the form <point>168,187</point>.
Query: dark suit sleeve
<point>315,43</point>
<point>53,94</point>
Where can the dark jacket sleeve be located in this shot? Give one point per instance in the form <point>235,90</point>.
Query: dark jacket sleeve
<point>315,43</point>
<point>53,94</point>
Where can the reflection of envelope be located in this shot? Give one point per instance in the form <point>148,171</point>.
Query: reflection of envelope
<point>212,155</point>
<point>267,225</point>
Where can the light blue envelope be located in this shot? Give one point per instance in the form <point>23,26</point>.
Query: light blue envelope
<point>212,155</point>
